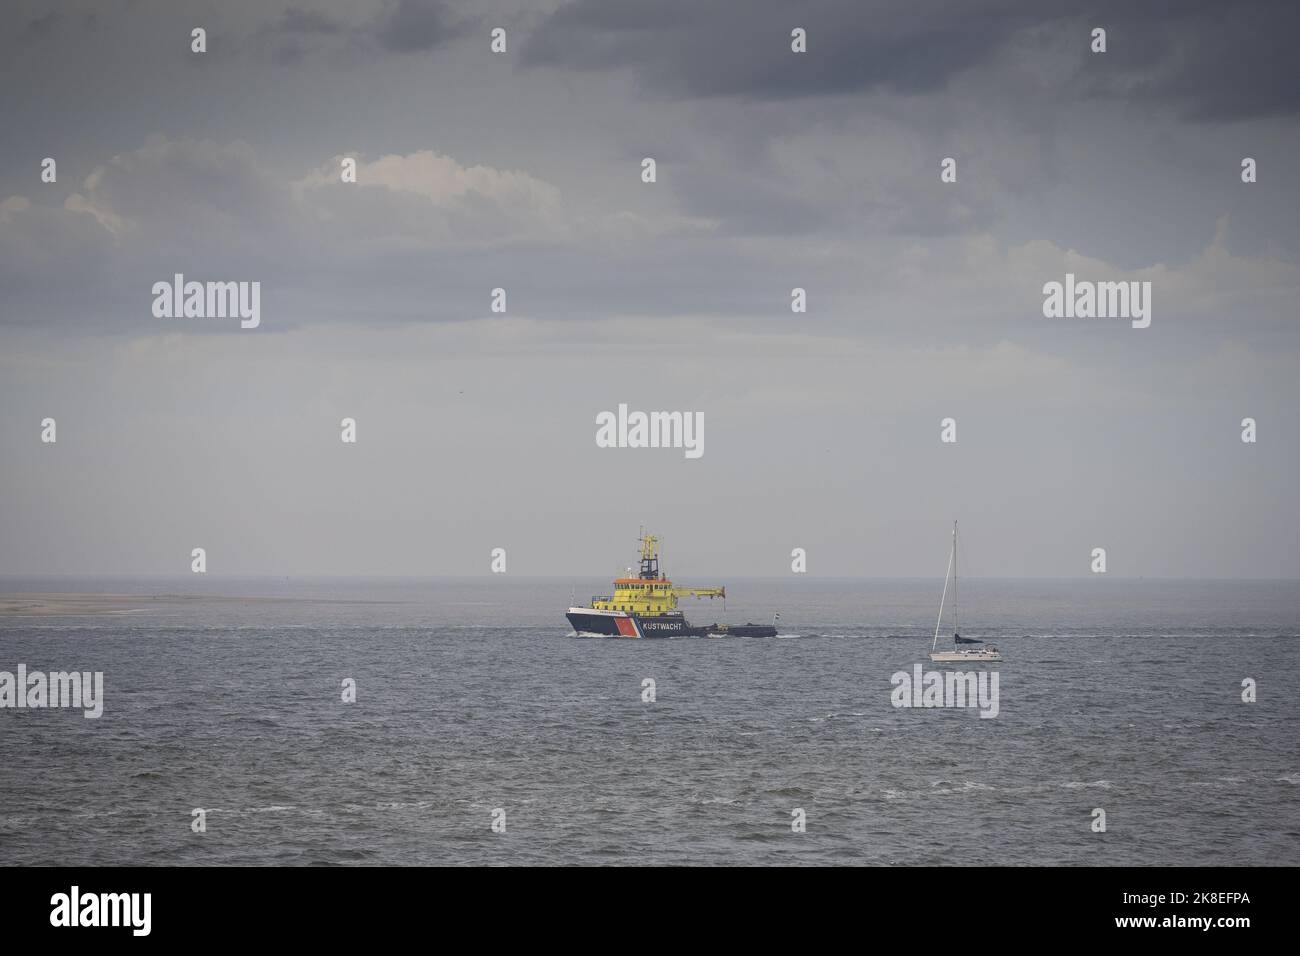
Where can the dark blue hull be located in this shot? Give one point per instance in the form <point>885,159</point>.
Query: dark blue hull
<point>605,624</point>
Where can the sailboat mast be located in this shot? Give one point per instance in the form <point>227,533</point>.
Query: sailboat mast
<point>939,623</point>
<point>954,578</point>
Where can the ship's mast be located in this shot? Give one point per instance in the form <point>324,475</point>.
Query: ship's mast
<point>649,556</point>
<point>954,579</point>
<point>946,574</point>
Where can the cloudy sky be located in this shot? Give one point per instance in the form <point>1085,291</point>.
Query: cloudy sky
<point>522,170</point>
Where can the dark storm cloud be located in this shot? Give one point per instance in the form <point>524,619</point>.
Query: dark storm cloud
<point>1210,60</point>
<point>1213,61</point>
<point>297,33</point>
<point>685,48</point>
<point>399,26</point>
<point>415,25</point>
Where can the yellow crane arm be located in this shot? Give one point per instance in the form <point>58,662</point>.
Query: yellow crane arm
<point>700,592</point>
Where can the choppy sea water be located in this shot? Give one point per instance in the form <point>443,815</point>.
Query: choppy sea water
<point>473,695</point>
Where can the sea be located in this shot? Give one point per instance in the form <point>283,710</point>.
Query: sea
<point>1138,722</point>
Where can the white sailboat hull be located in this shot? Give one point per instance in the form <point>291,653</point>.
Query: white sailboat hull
<point>964,657</point>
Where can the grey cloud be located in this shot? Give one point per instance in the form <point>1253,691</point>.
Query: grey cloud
<point>817,189</point>
<point>296,34</point>
<point>411,26</point>
<point>428,249</point>
<point>396,27</point>
<point>297,20</point>
<point>424,250</point>
<point>367,252</point>
<point>689,49</point>
<point>1212,61</point>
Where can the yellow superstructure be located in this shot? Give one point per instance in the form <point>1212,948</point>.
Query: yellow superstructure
<point>649,594</point>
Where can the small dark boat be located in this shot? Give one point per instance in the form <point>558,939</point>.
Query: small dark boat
<point>735,630</point>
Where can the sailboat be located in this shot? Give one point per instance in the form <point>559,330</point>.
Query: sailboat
<point>963,655</point>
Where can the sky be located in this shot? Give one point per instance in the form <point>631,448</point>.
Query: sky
<point>522,170</point>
